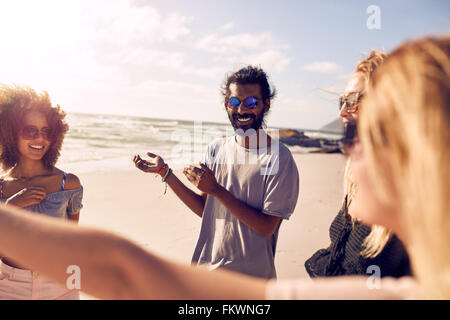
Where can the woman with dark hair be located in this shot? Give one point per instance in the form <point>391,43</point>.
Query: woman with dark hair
<point>31,136</point>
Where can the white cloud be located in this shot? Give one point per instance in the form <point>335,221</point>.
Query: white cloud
<point>228,26</point>
<point>272,60</point>
<point>120,23</point>
<point>246,48</point>
<point>177,90</point>
<point>126,56</point>
<point>147,58</point>
<point>232,44</point>
<point>322,67</point>
<point>138,35</point>
<point>83,40</point>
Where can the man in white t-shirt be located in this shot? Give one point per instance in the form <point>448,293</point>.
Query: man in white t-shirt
<point>249,183</point>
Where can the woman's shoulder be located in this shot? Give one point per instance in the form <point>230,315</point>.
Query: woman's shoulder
<point>72,182</point>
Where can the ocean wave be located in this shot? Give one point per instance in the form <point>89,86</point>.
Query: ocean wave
<point>166,123</point>
<point>97,137</point>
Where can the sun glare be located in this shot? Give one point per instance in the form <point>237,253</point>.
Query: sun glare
<point>36,24</point>
<point>35,37</point>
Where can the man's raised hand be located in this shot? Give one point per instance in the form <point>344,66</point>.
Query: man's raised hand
<point>203,178</point>
<point>153,165</point>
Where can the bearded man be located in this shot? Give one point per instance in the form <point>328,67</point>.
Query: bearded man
<point>248,183</point>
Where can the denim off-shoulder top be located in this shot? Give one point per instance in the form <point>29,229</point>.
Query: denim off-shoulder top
<point>60,204</point>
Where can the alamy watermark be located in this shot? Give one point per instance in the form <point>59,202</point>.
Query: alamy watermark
<point>73,282</point>
<point>194,145</point>
<point>374,20</point>
<point>374,280</point>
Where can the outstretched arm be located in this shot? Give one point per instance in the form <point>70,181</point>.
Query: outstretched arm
<point>111,266</point>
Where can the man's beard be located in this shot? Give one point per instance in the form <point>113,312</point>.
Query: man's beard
<point>257,122</point>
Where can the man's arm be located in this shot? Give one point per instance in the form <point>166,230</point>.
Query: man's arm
<point>203,178</point>
<point>262,223</point>
<point>191,199</point>
<point>112,267</point>
<point>156,165</point>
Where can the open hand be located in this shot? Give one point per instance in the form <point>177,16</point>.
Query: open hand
<point>153,165</point>
<point>203,178</point>
<point>27,197</point>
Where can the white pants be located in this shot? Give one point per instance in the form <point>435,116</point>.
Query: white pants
<point>20,284</point>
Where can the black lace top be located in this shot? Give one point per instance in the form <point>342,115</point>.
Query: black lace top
<point>343,256</point>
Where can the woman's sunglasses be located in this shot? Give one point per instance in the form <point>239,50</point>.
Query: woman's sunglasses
<point>349,139</point>
<point>31,133</point>
<point>250,102</point>
<point>351,101</point>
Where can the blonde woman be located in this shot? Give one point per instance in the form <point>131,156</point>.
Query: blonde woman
<point>401,167</point>
<point>355,247</point>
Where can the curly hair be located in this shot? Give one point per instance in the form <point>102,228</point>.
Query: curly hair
<point>15,102</point>
<point>249,75</point>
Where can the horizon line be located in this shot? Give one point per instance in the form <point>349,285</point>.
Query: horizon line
<point>209,122</point>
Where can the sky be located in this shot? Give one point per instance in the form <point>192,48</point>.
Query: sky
<point>168,58</point>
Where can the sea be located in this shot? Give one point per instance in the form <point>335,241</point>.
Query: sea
<point>99,142</point>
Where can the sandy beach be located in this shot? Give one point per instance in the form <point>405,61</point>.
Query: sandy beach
<point>132,204</point>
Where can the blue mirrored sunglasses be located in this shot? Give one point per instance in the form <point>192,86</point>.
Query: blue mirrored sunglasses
<point>250,102</point>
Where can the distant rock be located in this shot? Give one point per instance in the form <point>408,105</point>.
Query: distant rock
<point>293,137</point>
<point>334,126</point>
<point>332,149</point>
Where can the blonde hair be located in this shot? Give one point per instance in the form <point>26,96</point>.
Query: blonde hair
<point>404,131</point>
<point>379,236</point>
<point>367,66</point>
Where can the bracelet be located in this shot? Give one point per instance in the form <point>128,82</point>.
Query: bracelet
<point>164,167</point>
<point>168,173</point>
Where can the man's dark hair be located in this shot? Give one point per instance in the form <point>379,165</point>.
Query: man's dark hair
<point>249,75</point>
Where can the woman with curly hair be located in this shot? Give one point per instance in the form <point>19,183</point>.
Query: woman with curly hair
<point>31,136</point>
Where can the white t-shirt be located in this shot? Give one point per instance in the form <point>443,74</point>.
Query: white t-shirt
<point>265,179</point>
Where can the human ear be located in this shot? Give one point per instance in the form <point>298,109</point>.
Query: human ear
<point>266,105</point>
